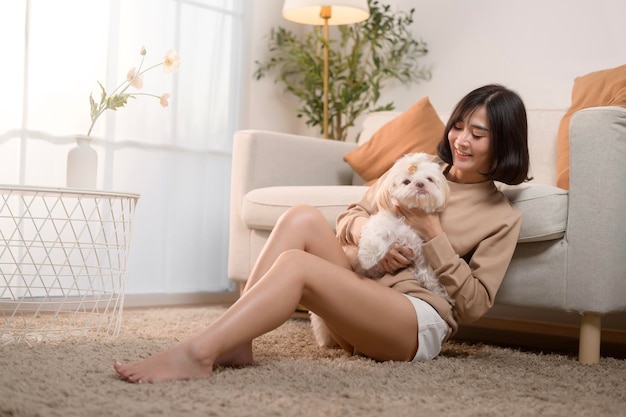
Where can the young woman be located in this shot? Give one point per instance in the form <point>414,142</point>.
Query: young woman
<point>469,245</point>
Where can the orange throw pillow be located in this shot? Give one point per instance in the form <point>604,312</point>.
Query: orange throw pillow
<point>419,129</point>
<point>600,88</point>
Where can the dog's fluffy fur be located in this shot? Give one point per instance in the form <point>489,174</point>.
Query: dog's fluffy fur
<point>414,181</point>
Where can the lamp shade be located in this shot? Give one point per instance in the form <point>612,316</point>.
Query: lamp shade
<point>343,12</point>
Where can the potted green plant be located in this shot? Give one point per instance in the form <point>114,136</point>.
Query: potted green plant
<point>362,58</point>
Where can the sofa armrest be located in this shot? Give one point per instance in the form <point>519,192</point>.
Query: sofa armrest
<point>265,159</point>
<point>596,231</point>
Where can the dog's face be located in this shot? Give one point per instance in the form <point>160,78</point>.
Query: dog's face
<point>415,181</point>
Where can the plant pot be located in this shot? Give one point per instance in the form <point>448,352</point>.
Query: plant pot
<point>82,164</point>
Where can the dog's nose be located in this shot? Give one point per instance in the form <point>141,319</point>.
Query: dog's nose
<point>420,184</point>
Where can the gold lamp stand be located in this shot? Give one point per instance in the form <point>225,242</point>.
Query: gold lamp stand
<point>325,13</point>
<point>332,12</point>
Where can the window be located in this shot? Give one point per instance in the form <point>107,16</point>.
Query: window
<point>177,158</point>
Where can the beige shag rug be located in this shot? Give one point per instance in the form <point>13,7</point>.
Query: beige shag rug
<point>293,377</point>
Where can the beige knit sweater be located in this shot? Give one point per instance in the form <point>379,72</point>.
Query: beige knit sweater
<point>470,258</point>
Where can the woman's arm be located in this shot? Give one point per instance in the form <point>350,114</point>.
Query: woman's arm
<point>474,281</point>
<point>350,222</point>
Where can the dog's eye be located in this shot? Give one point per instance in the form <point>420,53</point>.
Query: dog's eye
<point>430,179</point>
<point>406,182</point>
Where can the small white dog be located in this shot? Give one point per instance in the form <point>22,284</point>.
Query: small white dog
<point>414,181</point>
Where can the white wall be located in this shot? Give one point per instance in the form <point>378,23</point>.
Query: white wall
<point>536,47</point>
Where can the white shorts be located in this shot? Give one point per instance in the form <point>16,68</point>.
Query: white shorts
<point>431,330</point>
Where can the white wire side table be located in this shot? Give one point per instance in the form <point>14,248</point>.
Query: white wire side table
<point>63,263</point>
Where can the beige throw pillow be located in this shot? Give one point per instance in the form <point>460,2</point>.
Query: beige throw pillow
<point>419,129</point>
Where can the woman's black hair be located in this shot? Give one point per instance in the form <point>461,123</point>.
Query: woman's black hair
<point>508,129</point>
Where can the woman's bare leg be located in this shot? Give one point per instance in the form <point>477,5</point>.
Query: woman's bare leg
<point>359,309</point>
<point>301,227</point>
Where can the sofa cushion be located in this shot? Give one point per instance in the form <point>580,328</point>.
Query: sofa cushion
<point>543,207</point>
<point>262,207</point>
<point>544,211</point>
<point>419,129</point>
<point>600,88</point>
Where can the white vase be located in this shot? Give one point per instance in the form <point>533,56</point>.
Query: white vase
<point>82,164</point>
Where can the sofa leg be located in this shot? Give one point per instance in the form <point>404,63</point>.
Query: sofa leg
<point>589,339</point>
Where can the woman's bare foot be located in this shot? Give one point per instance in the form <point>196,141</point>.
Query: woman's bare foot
<point>177,363</point>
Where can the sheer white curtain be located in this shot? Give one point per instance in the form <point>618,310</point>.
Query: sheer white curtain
<point>177,158</point>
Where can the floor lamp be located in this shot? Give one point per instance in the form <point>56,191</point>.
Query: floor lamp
<point>330,12</point>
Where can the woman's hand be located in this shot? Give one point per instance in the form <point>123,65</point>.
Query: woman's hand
<point>426,225</point>
<point>398,257</point>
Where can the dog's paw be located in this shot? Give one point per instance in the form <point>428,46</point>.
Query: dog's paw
<point>370,253</point>
<point>367,261</point>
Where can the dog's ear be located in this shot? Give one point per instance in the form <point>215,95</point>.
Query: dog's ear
<point>383,194</point>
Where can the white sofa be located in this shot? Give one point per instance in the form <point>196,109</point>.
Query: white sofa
<point>572,245</point>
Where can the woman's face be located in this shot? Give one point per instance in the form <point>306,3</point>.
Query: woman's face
<point>470,141</point>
